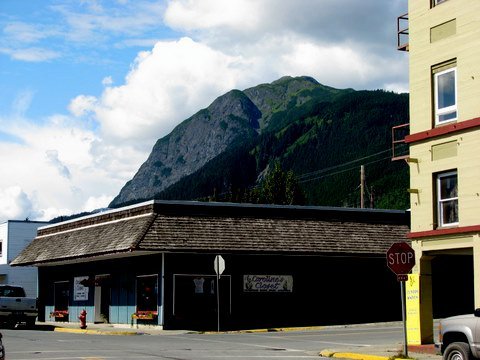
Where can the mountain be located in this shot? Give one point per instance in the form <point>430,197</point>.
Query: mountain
<point>316,131</point>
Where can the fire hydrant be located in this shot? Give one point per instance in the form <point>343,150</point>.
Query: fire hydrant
<point>83,319</point>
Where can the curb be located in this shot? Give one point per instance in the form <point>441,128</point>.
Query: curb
<point>95,332</point>
<point>356,356</point>
<point>353,356</point>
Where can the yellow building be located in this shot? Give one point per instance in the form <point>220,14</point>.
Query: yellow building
<point>444,157</point>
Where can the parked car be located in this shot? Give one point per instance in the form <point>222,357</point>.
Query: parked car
<point>2,348</point>
<point>15,307</point>
<point>459,338</point>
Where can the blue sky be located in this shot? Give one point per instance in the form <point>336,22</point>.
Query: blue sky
<point>88,86</point>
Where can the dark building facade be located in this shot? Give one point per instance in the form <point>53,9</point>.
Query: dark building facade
<point>153,264</point>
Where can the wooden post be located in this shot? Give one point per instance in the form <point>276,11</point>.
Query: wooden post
<point>362,186</point>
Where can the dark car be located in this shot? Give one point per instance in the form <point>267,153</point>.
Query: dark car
<point>2,348</point>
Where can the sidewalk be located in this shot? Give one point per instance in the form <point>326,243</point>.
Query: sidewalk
<point>105,329</point>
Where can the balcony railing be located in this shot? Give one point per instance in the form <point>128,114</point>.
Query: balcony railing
<point>399,146</point>
<point>402,32</point>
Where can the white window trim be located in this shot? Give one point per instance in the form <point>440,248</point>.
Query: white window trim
<point>440,200</point>
<point>448,109</point>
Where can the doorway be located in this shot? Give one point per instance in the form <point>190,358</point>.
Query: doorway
<point>452,285</point>
<point>102,298</point>
<point>61,295</point>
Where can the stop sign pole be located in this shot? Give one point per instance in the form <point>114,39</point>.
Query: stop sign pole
<point>401,260</point>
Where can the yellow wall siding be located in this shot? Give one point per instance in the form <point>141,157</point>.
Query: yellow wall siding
<point>469,178</point>
<point>467,163</point>
<point>464,46</point>
<point>430,44</point>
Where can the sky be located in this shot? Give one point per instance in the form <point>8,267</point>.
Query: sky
<point>88,86</point>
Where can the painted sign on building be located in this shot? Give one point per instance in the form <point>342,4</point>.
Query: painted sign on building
<point>267,283</point>
<point>80,292</point>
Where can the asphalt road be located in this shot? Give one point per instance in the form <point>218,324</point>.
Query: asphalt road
<point>33,344</point>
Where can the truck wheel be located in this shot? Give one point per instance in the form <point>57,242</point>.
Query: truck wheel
<point>458,351</point>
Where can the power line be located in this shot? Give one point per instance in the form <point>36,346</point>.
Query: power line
<point>339,172</point>
<point>341,165</point>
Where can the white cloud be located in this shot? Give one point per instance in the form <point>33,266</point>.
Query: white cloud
<point>33,54</point>
<point>22,102</point>
<point>95,203</point>
<point>23,32</point>
<point>399,88</point>
<point>15,204</point>
<point>96,23</point>
<point>107,81</point>
<point>82,105</point>
<point>52,156</point>
<point>56,169</point>
<point>240,15</point>
<point>165,86</point>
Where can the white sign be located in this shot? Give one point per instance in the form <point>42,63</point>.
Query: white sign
<point>219,265</point>
<point>80,292</point>
<point>267,283</point>
<point>198,285</point>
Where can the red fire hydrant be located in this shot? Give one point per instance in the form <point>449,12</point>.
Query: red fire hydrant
<point>83,319</point>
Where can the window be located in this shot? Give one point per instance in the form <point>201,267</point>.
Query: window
<point>445,85</point>
<point>12,291</point>
<point>447,199</point>
<point>147,290</point>
<point>436,2</point>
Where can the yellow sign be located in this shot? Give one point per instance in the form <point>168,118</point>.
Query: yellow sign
<point>412,296</point>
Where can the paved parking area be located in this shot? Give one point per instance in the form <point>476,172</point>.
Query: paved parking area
<point>22,344</point>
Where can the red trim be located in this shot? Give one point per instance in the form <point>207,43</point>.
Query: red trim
<point>443,130</point>
<point>441,232</point>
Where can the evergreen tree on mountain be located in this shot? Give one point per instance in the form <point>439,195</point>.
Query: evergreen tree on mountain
<point>281,188</point>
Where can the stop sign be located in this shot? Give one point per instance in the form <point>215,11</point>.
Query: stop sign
<point>400,258</point>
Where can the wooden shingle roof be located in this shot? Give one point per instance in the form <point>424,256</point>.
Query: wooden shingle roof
<point>269,235</point>
<point>204,227</point>
<point>103,239</point>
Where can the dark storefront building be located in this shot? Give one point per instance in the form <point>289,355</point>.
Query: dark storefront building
<point>153,264</point>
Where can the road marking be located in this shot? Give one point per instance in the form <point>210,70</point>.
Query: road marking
<point>312,341</point>
<point>209,356</point>
<point>267,356</point>
<point>246,344</point>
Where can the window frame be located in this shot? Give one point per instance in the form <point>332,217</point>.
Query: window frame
<point>436,2</point>
<point>138,301</point>
<point>440,201</point>
<point>448,109</point>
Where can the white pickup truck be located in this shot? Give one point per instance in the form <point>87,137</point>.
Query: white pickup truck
<point>15,307</point>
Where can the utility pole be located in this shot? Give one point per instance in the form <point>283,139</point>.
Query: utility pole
<point>362,186</point>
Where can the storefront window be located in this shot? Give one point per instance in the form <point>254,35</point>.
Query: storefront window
<point>147,293</point>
